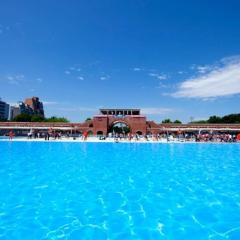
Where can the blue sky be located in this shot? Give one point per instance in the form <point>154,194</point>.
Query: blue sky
<point>176,59</point>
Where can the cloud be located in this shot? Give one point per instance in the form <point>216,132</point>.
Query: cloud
<point>153,74</point>
<point>40,80</point>
<point>14,103</point>
<point>220,80</point>
<point>104,77</point>
<point>67,72</point>
<point>161,85</point>
<point>49,103</point>
<point>156,111</point>
<point>15,79</point>
<point>158,76</point>
<point>162,77</point>
<point>203,69</point>
<point>137,69</point>
<point>231,59</point>
<point>80,78</point>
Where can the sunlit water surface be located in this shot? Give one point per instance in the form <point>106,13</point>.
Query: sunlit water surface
<point>119,191</point>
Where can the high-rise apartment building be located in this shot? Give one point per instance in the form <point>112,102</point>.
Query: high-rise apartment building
<point>35,105</point>
<point>14,111</point>
<point>31,106</point>
<point>4,110</point>
<point>20,108</point>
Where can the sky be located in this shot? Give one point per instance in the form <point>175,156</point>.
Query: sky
<point>172,59</point>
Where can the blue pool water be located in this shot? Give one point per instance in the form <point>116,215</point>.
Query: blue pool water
<point>119,191</point>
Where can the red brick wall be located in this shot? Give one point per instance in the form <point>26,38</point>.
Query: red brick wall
<point>100,123</point>
<point>104,123</point>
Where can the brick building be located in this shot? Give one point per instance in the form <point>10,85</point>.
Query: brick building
<point>104,122</point>
<point>35,105</point>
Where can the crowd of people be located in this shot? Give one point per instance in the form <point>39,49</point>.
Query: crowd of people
<point>118,137</point>
<point>182,137</point>
<point>54,135</point>
<point>224,137</point>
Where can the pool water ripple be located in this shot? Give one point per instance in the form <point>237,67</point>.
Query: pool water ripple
<point>119,191</point>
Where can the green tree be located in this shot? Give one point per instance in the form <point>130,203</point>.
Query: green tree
<point>118,129</point>
<point>231,118</point>
<point>3,120</point>
<point>88,119</point>
<point>37,118</point>
<point>215,119</point>
<point>167,120</point>
<point>23,117</point>
<point>177,121</point>
<point>57,119</point>
<point>200,121</point>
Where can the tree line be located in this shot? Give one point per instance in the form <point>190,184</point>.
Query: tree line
<point>23,117</point>
<point>231,118</point>
<point>168,120</point>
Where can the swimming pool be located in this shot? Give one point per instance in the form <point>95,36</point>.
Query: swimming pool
<point>119,191</point>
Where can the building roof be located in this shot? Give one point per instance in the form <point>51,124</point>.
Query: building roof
<point>116,111</point>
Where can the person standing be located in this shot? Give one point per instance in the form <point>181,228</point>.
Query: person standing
<point>11,135</point>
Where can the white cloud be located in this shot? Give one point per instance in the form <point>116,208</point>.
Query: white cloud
<point>10,78</point>
<point>153,74</point>
<point>15,79</point>
<point>204,69</point>
<point>162,77</point>
<point>49,103</point>
<point>137,69</point>
<point>13,103</point>
<point>104,77</point>
<point>231,59</point>
<point>156,111</point>
<point>221,80</point>
<point>158,76</point>
<point>67,72</point>
<point>80,78</point>
<point>161,85</point>
<point>40,80</point>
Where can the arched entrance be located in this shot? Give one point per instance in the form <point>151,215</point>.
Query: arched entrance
<point>119,127</point>
<point>139,133</point>
<point>99,133</point>
<point>90,133</point>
